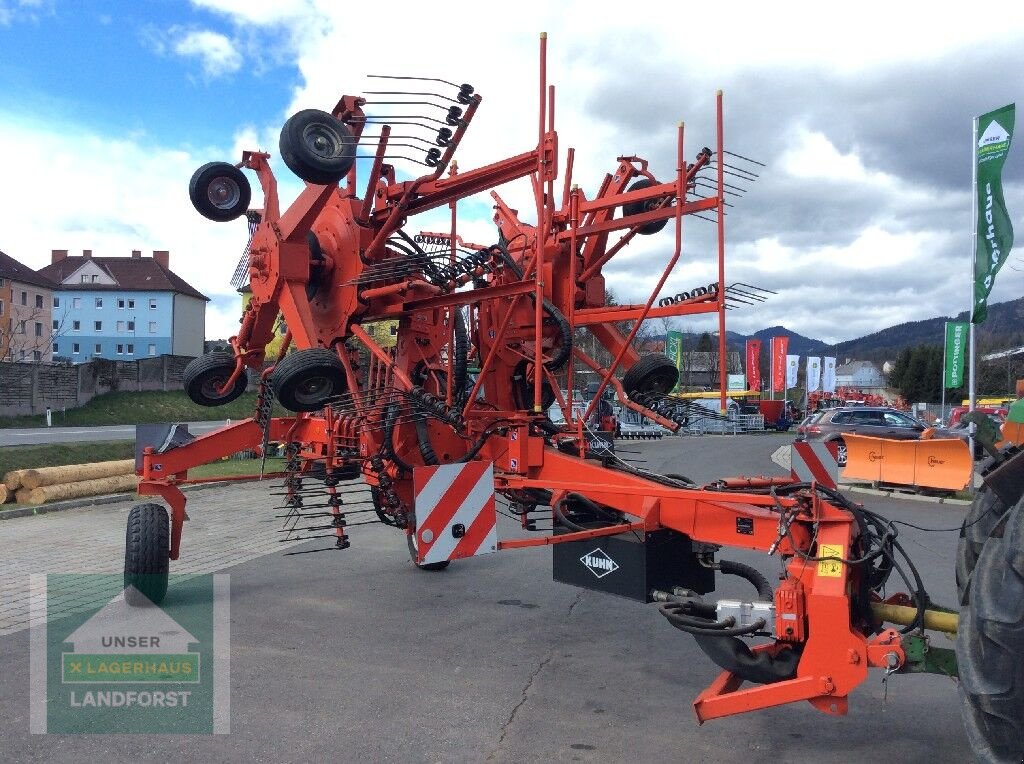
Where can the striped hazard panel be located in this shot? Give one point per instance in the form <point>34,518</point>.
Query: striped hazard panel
<point>814,461</point>
<point>455,511</point>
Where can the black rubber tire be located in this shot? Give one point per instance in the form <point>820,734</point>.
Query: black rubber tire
<point>429,566</point>
<point>985,512</point>
<point>990,645</point>
<point>635,208</point>
<point>147,551</point>
<point>653,373</point>
<point>219,191</point>
<point>205,374</point>
<point>307,379</point>
<point>317,146</point>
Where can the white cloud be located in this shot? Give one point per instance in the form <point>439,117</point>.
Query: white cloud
<point>217,54</point>
<point>79,190</point>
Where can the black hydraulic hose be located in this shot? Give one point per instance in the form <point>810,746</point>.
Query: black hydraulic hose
<point>754,576</point>
<point>460,363</point>
<point>390,415</point>
<point>423,438</point>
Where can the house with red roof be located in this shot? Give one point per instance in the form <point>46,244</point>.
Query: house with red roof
<point>123,308</point>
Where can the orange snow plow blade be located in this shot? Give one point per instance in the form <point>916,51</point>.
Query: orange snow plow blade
<point>931,463</point>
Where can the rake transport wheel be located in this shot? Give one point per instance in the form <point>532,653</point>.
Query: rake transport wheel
<point>307,379</point>
<point>429,566</point>
<point>205,376</point>
<point>990,644</point>
<point>635,208</point>
<point>146,555</point>
<point>317,146</point>
<point>653,373</point>
<point>219,191</point>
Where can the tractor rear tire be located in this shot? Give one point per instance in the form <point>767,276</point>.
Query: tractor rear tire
<point>146,555</point>
<point>317,146</point>
<point>219,191</point>
<point>307,379</point>
<point>635,208</point>
<point>206,374</point>
<point>985,512</point>
<point>990,644</point>
<point>653,373</point>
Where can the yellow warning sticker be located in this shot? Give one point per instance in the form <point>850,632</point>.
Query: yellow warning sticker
<point>830,568</point>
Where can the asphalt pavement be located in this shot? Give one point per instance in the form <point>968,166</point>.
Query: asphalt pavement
<point>31,436</point>
<point>357,656</point>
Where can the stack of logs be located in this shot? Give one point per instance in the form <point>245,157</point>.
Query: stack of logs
<point>36,486</point>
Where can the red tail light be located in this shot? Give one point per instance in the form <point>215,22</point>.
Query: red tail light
<point>812,429</point>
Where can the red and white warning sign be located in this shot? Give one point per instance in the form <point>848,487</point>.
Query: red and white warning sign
<point>814,461</point>
<point>455,511</point>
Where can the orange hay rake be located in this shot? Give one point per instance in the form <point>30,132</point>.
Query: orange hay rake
<point>455,413</point>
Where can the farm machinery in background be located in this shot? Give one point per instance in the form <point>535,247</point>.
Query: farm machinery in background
<point>439,446</point>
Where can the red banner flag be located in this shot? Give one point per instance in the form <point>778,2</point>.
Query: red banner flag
<point>753,364</point>
<point>780,347</point>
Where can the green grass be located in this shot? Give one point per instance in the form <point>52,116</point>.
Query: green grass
<point>234,467</point>
<point>141,408</point>
<point>59,454</point>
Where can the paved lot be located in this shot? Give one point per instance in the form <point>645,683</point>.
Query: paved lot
<point>355,655</point>
<point>26,436</point>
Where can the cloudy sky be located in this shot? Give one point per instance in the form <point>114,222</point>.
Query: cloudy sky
<point>860,219</point>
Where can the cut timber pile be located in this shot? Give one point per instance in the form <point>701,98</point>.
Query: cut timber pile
<point>71,473</point>
<point>60,491</point>
<point>35,486</point>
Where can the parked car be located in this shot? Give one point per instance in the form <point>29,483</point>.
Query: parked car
<point>801,429</point>
<point>874,421</point>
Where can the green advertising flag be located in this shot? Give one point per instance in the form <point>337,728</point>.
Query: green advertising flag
<point>995,234</point>
<point>956,341</point>
<point>674,348</point>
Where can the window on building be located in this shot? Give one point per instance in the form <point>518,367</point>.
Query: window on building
<point>24,298</point>
<point>55,348</point>
<point>95,279</point>
<point>152,349</point>
<point>152,303</point>
<point>120,304</point>
<point>1,307</point>
<point>97,325</point>
<point>76,326</point>
<point>131,304</point>
<point>37,355</point>
<point>120,349</point>
<point>99,348</point>
<point>75,347</point>
<point>120,326</point>
<point>22,355</point>
<point>131,349</point>
<point>56,325</point>
<point>39,329</point>
<point>21,328</point>
<point>76,303</point>
<point>152,327</point>
<point>99,302</point>
<point>131,326</point>
<point>56,302</point>
<point>39,301</point>
<point>2,282</point>
<point>85,279</point>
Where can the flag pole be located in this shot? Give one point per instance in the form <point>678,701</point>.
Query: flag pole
<point>942,379</point>
<point>974,257</point>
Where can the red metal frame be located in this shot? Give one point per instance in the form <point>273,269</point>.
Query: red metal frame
<point>555,262</point>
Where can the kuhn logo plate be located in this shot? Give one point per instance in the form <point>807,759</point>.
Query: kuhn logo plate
<point>599,563</point>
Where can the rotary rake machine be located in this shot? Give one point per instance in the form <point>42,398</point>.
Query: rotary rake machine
<point>426,366</point>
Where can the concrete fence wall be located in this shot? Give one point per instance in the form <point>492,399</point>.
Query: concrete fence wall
<point>29,388</point>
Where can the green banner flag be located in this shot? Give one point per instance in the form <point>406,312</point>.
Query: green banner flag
<point>995,234</point>
<point>956,341</point>
<point>674,350</point>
